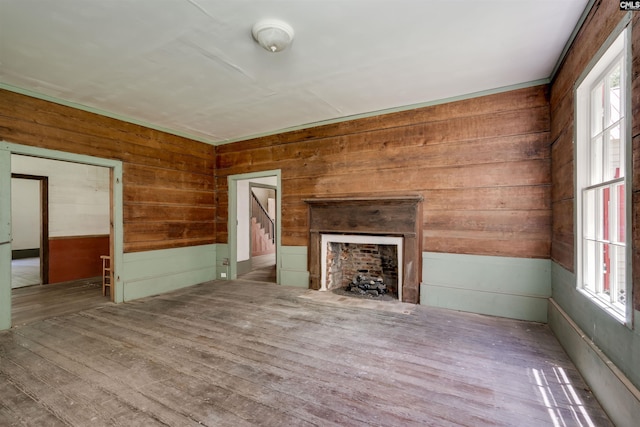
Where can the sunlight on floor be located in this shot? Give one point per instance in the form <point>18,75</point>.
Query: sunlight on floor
<point>563,404</point>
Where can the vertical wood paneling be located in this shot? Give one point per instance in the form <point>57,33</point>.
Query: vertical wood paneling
<point>76,257</point>
<point>482,166</point>
<point>168,181</point>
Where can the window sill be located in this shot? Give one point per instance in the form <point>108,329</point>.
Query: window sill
<point>603,306</point>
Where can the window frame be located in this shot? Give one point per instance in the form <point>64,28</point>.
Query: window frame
<point>617,46</point>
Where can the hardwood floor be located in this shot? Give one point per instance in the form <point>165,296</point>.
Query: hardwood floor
<point>244,353</point>
<point>25,272</point>
<point>33,303</point>
<point>263,269</point>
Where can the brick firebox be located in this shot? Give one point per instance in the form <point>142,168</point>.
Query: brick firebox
<point>399,216</point>
<point>372,257</point>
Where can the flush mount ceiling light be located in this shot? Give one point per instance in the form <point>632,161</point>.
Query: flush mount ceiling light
<point>273,35</point>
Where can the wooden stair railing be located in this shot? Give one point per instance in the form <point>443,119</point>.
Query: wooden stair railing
<point>262,217</point>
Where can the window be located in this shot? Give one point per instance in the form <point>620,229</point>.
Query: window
<point>601,180</point>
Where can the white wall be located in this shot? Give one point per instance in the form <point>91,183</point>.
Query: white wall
<point>271,207</point>
<point>78,195</point>
<point>266,196</point>
<point>25,214</point>
<point>243,230</point>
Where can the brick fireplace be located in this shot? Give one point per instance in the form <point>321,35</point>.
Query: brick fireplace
<point>347,256</point>
<point>368,220</point>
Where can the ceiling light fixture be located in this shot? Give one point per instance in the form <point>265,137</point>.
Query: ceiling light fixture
<point>273,35</point>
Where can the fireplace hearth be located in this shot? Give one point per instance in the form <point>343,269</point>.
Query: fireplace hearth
<point>368,221</point>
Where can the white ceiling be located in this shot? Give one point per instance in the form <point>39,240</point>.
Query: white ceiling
<point>192,67</point>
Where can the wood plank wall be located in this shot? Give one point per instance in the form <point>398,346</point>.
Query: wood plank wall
<point>168,181</point>
<point>600,23</point>
<point>482,166</point>
<point>635,141</point>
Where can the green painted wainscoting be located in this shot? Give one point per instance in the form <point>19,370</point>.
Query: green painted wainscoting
<point>293,266</point>
<point>516,288</point>
<point>605,351</point>
<point>155,272</point>
<point>223,269</point>
<point>290,271</point>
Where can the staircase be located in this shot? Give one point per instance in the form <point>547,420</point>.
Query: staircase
<point>261,242</point>
<point>262,229</point>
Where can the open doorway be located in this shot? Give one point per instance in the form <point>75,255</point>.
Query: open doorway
<point>61,227</point>
<point>29,230</point>
<point>260,262</point>
<point>9,152</point>
<point>254,230</point>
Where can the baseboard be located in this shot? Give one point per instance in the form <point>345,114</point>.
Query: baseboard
<point>243,267</point>
<point>618,396</point>
<point>25,253</point>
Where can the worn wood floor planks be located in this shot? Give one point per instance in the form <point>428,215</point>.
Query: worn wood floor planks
<point>244,353</point>
<point>39,302</point>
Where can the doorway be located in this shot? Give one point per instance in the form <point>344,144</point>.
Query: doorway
<point>254,226</point>
<point>261,264</point>
<point>9,152</point>
<point>66,227</point>
<point>29,230</point>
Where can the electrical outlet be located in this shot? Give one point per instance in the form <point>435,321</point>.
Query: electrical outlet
<point>223,275</point>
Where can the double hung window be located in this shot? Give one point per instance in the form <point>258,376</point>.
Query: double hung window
<point>601,177</point>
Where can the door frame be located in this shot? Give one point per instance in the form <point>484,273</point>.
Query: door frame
<point>116,231</point>
<point>44,222</point>
<point>5,240</point>
<point>232,220</point>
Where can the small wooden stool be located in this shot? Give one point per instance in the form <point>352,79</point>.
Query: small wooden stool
<point>106,274</point>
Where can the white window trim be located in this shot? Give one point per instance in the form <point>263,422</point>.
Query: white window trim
<point>598,66</point>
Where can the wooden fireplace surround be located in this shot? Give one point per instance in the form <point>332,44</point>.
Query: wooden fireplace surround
<point>383,216</point>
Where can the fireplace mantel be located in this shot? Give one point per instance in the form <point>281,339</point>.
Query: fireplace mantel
<point>386,215</point>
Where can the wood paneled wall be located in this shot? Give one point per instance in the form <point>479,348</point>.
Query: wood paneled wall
<point>635,141</point>
<point>600,23</point>
<point>76,257</point>
<point>598,26</point>
<point>168,181</point>
<point>482,166</point>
